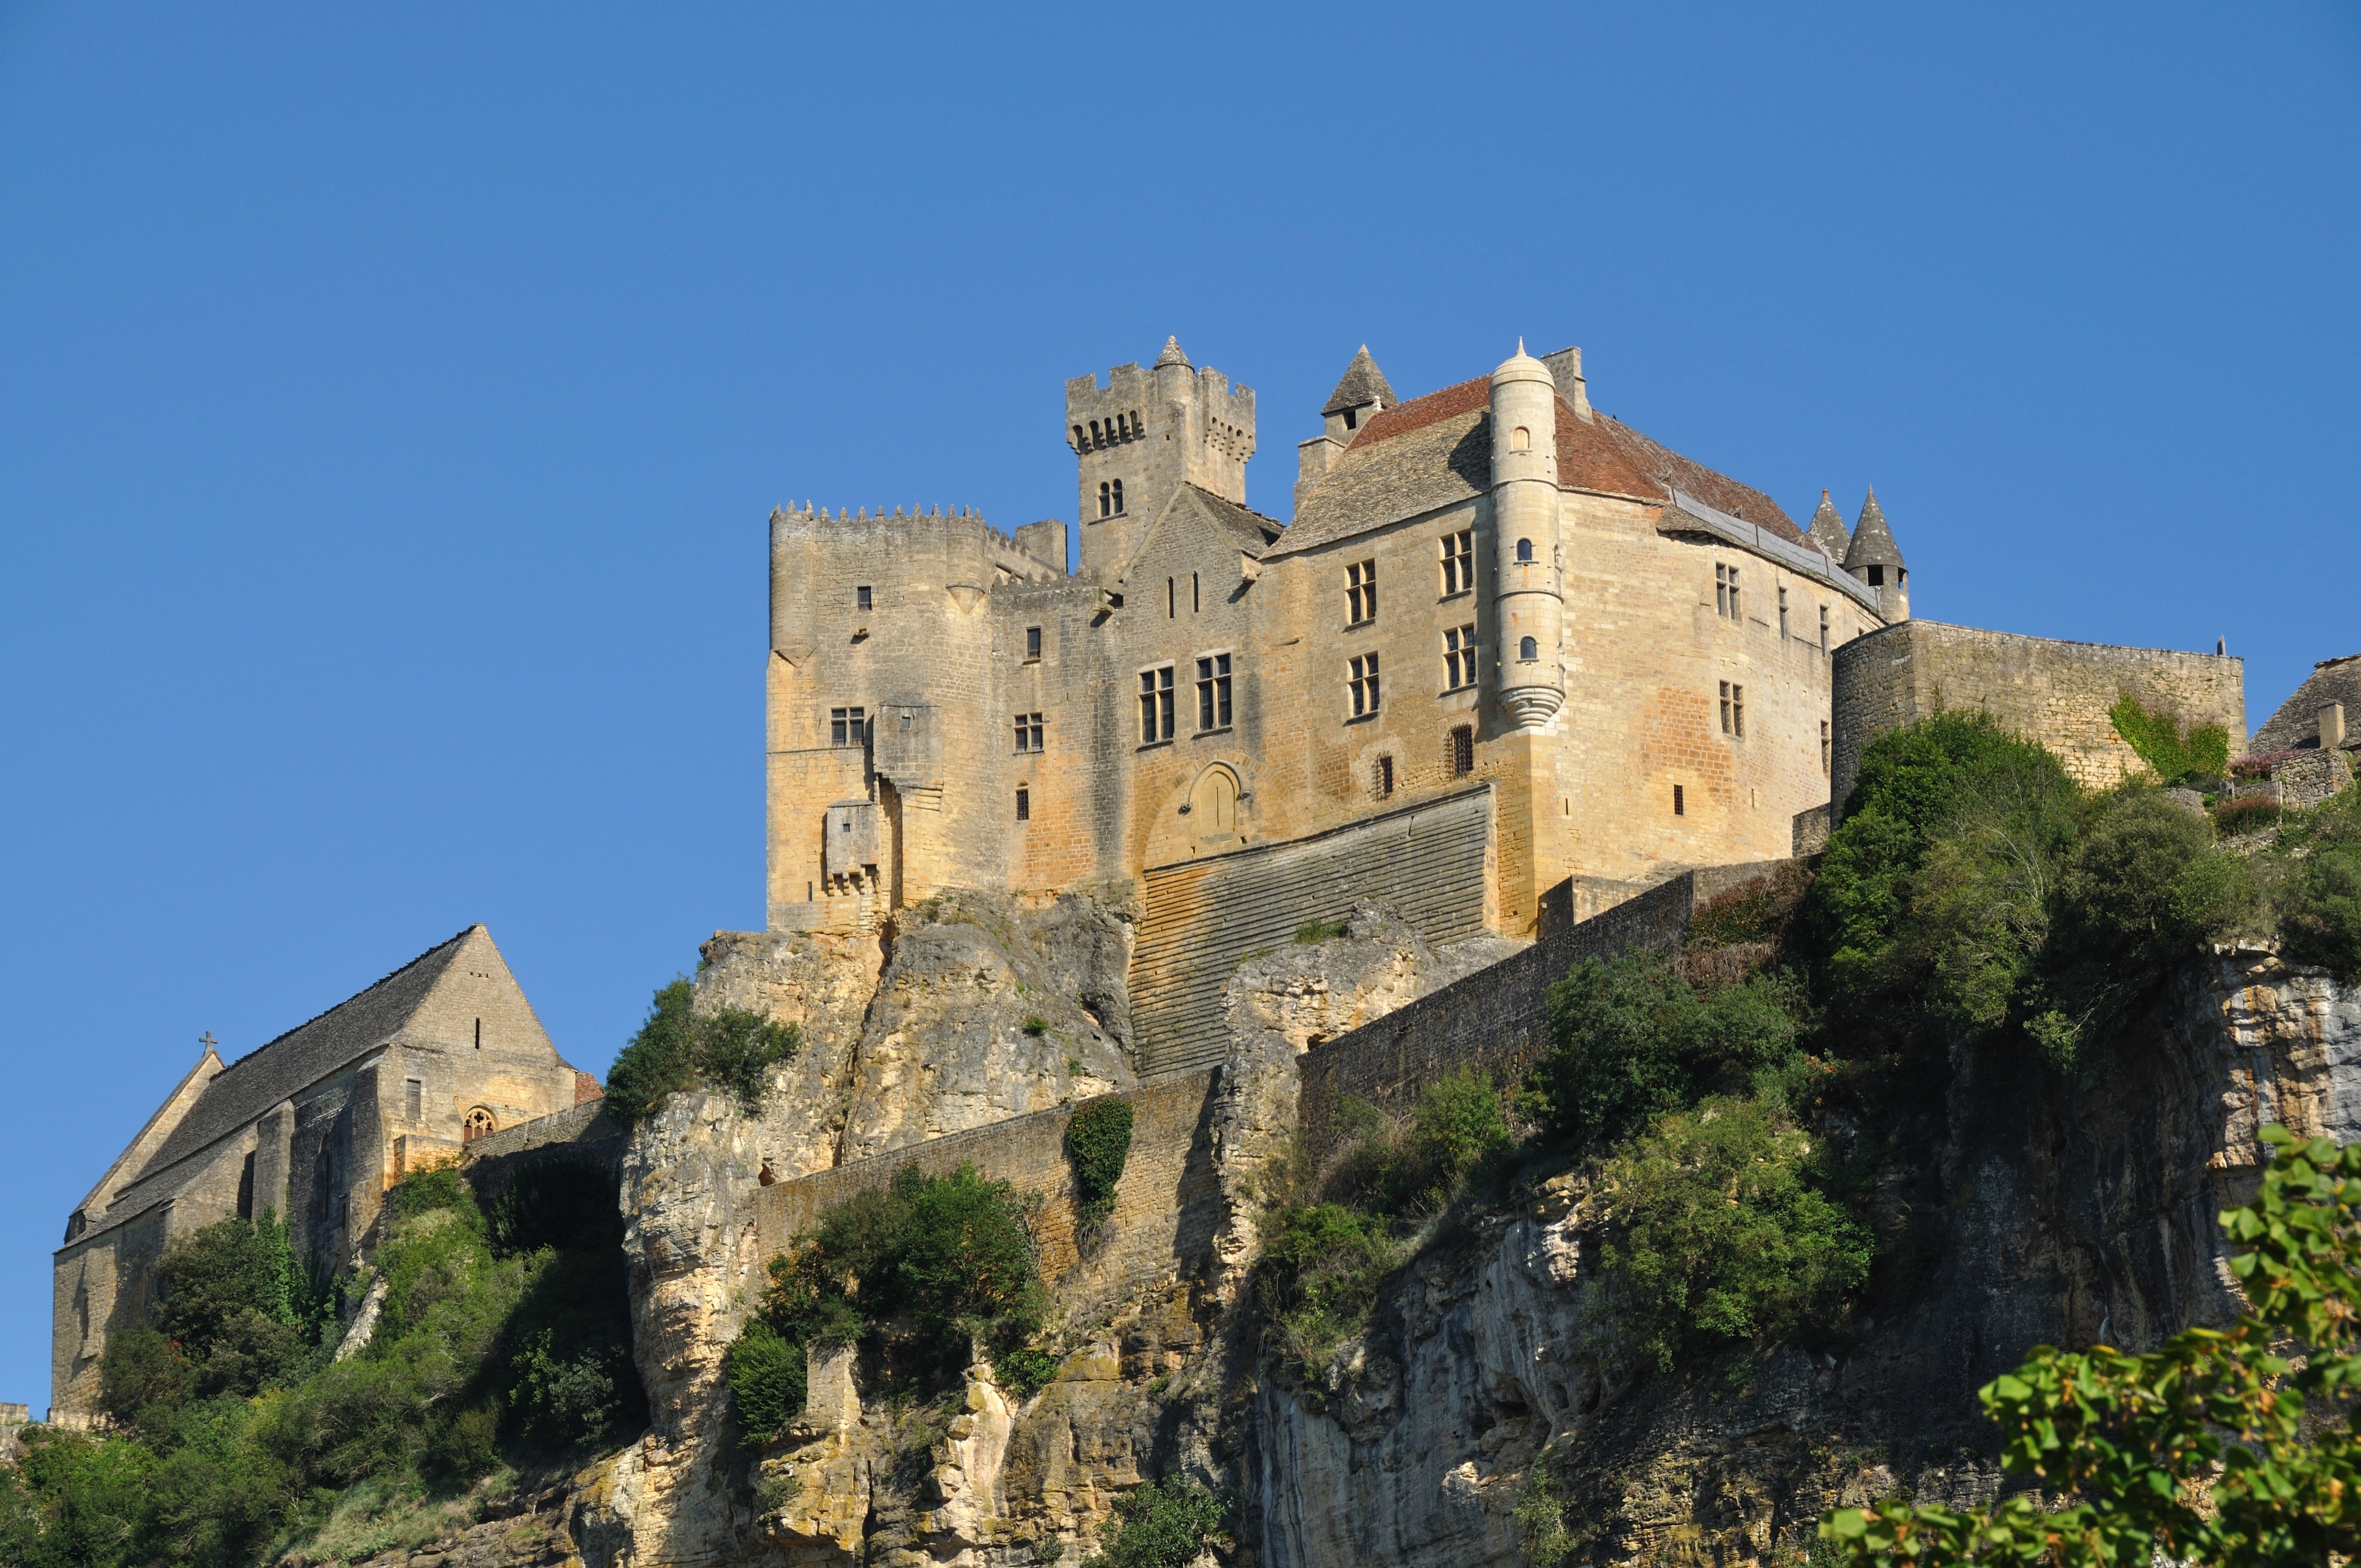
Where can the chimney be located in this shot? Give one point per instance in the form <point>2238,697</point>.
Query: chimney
<point>1565,370</point>
<point>2331,726</point>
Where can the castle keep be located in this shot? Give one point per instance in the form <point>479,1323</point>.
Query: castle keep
<point>1510,650</point>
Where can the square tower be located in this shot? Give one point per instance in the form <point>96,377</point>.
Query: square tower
<point>1142,436</point>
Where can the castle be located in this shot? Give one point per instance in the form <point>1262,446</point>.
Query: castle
<point>1512,661</point>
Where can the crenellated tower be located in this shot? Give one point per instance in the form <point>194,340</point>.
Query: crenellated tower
<point>1527,598</point>
<point>1144,434</point>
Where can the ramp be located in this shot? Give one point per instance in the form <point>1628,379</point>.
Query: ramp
<point>1202,917</point>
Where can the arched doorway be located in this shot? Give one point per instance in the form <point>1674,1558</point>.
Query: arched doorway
<point>1213,805</point>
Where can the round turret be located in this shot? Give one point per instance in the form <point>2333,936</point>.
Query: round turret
<point>1876,560</point>
<point>1528,601</point>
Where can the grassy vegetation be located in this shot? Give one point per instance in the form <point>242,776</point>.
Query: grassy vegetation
<point>2203,752</point>
<point>913,1276</point>
<point>502,1345</point>
<point>678,1047</point>
<point>1319,930</point>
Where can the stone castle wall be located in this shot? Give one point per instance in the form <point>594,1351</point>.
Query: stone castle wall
<point>1166,1206</point>
<point>2051,691</point>
<point>1496,1020</point>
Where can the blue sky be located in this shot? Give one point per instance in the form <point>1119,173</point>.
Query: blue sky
<point>391,399</point>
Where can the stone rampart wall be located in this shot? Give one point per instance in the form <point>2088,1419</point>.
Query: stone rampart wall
<point>1166,1205</point>
<point>1496,1020</point>
<point>2054,693</point>
<point>584,1134</point>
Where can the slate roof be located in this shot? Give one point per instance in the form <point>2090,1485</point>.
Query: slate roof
<point>1362,385</point>
<point>306,1054</point>
<point>2296,725</point>
<point>1827,530</point>
<point>1172,354</point>
<point>1254,531</point>
<point>1436,451</point>
<point>1872,542</point>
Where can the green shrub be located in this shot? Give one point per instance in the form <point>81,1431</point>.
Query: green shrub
<point>1319,930</point>
<point>1098,1142</point>
<point>563,1204</point>
<point>2158,741</point>
<point>1025,1370</point>
<point>1630,1038</point>
<point>1458,1130</point>
<point>915,1274</point>
<point>2245,814</point>
<point>678,1047</point>
<point>1722,1231</point>
<point>1317,1280</point>
<point>1035,1026</point>
<point>2322,922</point>
<point>2142,887</point>
<point>1160,1525</point>
<point>767,1374</point>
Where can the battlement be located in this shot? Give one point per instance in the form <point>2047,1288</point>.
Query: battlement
<point>1032,546</point>
<point>1141,436</point>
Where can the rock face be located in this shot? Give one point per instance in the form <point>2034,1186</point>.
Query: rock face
<point>2069,1217</point>
<point>2022,1211</point>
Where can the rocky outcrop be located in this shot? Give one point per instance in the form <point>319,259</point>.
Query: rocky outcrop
<point>2070,1215</point>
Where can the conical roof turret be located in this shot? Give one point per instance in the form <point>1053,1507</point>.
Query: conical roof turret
<point>1827,530</point>
<point>1872,542</point>
<point>1363,384</point>
<point>1172,354</point>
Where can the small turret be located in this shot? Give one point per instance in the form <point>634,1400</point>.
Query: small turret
<point>1827,530</point>
<point>1362,393</point>
<point>1528,604</point>
<point>1876,560</point>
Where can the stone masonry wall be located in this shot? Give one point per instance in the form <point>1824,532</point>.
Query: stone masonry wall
<point>1496,1020</point>
<point>1166,1205</point>
<point>2052,691</point>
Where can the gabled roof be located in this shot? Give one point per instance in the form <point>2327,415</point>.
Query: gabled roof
<point>2296,725</point>
<point>307,1053</point>
<point>1363,384</point>
<point>1827,530</point>
<point>1243,527</point>
<point>1872,542</point>
<point>1436,451</point>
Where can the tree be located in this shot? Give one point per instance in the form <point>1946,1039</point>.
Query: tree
<point>2196,1452</point>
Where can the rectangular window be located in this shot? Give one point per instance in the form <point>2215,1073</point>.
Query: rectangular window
<point>1196,601</point>
<point>1725,592</point>
<point>1213,692</point>
<point>1725,708</point>
<point>1463,751</point>
<point>1679,805</point>
<point>1824,746</point>
<point>1384,776</point>
<point>860,598</point>
<point>1171,597</point>
<point>1877,576</point>
<point>1362,682</point>
<point>1458,562</point>
<point>413,1098</point>
<point>1155,705</point>
<point>1824,628</point>
<point>1458,657</point>
<point>1032,644</point>
<point>1361,590</point>
<point>1023,804</point>
<point>1783,614</point>
<point>1738,711</point>
<point>1028,733</point>
<point>847,727</point>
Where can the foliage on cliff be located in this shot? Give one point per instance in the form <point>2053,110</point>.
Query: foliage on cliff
<point>499,1343</point>
<point>912,1275</point>
<point>1166,1524</point>
<point>678,1047</point>
<point>1098,1143</point>
<point>2199,1452</point>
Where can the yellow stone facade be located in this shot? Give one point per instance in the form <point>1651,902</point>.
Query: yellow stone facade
<point>1493,583</point>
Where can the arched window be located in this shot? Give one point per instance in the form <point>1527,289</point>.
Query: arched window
<point>479,1124</point>
<point>1118,497</point>
<point>1524,549</point>
<point>1106,506</point>
<point>1520,439</point>
<point>1528,649</point>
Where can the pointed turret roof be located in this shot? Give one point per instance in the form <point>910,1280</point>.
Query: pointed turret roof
<point>1827,530</point>
<point>1363,384</point>
<point>1172,354</point>
<point>1872,542</point>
